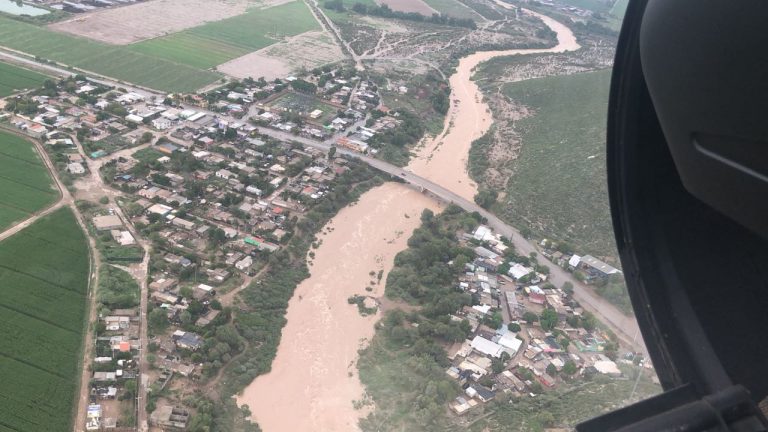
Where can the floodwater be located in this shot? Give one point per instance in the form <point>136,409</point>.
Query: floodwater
<point>314,381</point>
<point>14,8</point>
<point>443,159</point>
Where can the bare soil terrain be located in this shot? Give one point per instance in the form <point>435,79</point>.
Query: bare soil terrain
<point>313,381</point>
<point>307,50</point>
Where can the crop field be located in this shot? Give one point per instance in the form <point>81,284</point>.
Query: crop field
<point>25,185</point>
<point>43,290</point>
<point>14,78</point>
<point>454,8</point>
<point>113,61</point>
<point>217,42</point>
<point>559,186</point>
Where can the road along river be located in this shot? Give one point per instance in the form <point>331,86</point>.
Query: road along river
<point>443,159</point>
<point>314,381</point>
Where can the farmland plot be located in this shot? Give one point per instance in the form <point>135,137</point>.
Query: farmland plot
<point>43,289</point>
<point>118,62</point>
<point>14,78</point>
<point>25,186</point>
<point>217,42</point>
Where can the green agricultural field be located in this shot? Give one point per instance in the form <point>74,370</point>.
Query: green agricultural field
<point>559,186</point>
<point>454,8</point>
<point>114,61</point>
<point>43,292</point>
<point>25,185</point>
<point>14,78</point>
<point>217,42</point>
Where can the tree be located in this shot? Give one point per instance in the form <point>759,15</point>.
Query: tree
<point>331,152</point>
<point>588,321</point>
<point>551,370</point>
<point>530,317</point>
<point>568,288</point>
<point>564,342</point>
<point>548,319</point>
<point>570,368</point>
<point>104,200</point>
<point>514,327</point>
<point>146,137</point>
<point>158,319</point>
<point>486,198</point>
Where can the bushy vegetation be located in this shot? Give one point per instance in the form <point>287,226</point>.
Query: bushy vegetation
<point>117,288</point>
<point>403,368</point>
<point>43,290</point>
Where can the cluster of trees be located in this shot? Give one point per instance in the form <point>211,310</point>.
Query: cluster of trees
<point>385,11</point>
<point>303,86</point>
<point>117,288</point>
<point>22,105</point>
<point>485,197</point>
<point>424,275</point>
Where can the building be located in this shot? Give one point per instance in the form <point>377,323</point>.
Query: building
<point>166,416</point>
<point>487,347</point>
<point>536,294</point>
<point>519,271</point>
<point>75,168</point>
<point>596,269</point>
<point>188,340</point>
<point>107,223</point>
<point>244,264</point>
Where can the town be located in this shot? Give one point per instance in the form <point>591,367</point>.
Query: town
<point>211,196</point>
<point>197,183</point>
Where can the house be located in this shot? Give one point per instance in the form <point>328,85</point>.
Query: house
<point>244,264</point>
<point>107,222</point>
<point>162,123</point>
<point>183,223</point>
<point>159,209</point>
<point>536,294</point>
<point>519,271</point>
<point>482,393</point>
<point>225,174</point>
<point>596,269</point>
<point>461,405</point>
<point>487,347</point>
<point>188,340</point>
<point>133,118</point>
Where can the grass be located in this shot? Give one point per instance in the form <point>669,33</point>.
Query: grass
<point>559,186</point>
<point>25,185</point>
<point>43,293</point>
<point>453,8</point>
<point>564,406</point>
<point>298,102</point>
<point>119,62</point>
<point>14,78</point>
<point>217,42</point>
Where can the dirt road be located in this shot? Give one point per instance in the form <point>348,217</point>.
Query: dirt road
<point>443,159</point>
<point>314,380</point>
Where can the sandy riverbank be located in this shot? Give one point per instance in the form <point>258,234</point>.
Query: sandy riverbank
<point>443,159</point>
<point>314,379</point>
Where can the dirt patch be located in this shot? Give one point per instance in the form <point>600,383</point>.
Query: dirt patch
<point>147,20</point>
<point>307,50</point>
<point>313,381</point>
<point>417,6</point>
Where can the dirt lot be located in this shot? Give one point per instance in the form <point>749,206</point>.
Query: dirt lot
<point>308,50</point>
<point>128,24</point>
<point>417,6</point>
